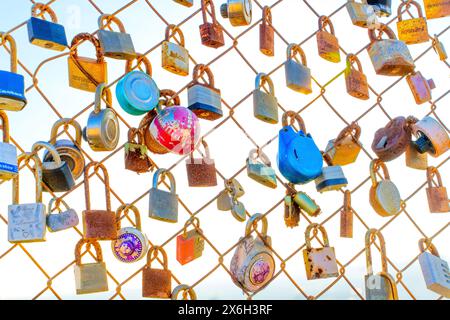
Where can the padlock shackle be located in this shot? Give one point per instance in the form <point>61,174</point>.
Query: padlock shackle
<point>431,173</point>
<point>352,129</point>
<point>102,92</point>
<point>256,154</point>
<point>212,13</point>
<point>195,222</point>
<point>253,223</point>
<point>37,172</point>
<point>5,37</point>
<point>293,116</point>
<point>325,21</point>
<point>96,165</point>
<point>50,148</point>
<point>5,126</point>
<point>44,9</point>
<point>205,147</point>
<point>371,235</point>
<point>425,244</point>
<point>199,71</point>
<point>163,173</point>
<point>315,227</point>
<point>408,3</point>
<point>187,290</point>
<point>267,15</point>
<point>124,209</point>
<point>261,79</point>
<point>110,18</point>
<point>89,37</point>
<point>382,28</point>
<point>88,243</point>
<point>133,133</point>
<point>66,122</point>
<point>292,51</point>
<point>140,58</point>
<point>171,31</point>
<point>152,254</point>
<point>375,166</point>
<point>168,98</point>
<point>57,202</point>
<point>351,59</point>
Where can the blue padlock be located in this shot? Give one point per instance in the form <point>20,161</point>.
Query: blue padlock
<point>46,34</point>
<point>12,85</point>
<point>299,159</point>
<point>137,92</point>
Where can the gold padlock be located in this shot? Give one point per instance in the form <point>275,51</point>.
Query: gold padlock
<point>346,222</point>
<point>346,147</point>
<point>439,48</point>
<point>327,43</point>
<point>436,8</point>
<point>175,58</point>
<point>384,196</point>
<point>414,30</point>
<point>437,195</point>
<point>355,79</point>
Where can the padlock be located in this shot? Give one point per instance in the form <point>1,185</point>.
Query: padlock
<point>26,222</point>
<point>261,171</point>
<point>90,277</point>
<point>102,128</point>
<point>68,151</point>
<point>291,208</point>
<point>332,177</point>
<point>384,196</point>
<point>355,80</point>
<point>201,172</point>
<point>43,33</point>
<point>382,7</point>
<point>420,87</point>
<point>431,137</point>
<point>190,244</point>
<point>299,159</point>
<point>266,33</point>
<point>12,84</point>
<point>346,147</point>
<point>186,3</point>
<point>211,33</point>
<point>437,195</point>
<point>414,159</point>
<point>8,152</point>
<point>361,14</point>
<point>86,73</point>
<point>203,99</point>
<point>346,217</point>
<point>186,290</point>
<point>298,75</point>
<point>163,205</point>
<point>98,224</point>
<point>237,209</point>
<point>265,106</point>
<point>435,270</point>
<point>380,286</point>
<point>307,204</point>
<point>436,8</point>
<point>439,48</point>
<point>116,45</point>
<point>327,43</point>
<point>239,12</point>
<point>413,30</point>
<point>174,57</point>
<point>136,158</point>
<point>156,283</point>
<point>62,220</point>
<point>320,263</point>
<point>56,174</point>
<point>233,190</point>
<point>137,92</point>
<point>131,244</point>
<point>390,57</point>
<point>252,266</point>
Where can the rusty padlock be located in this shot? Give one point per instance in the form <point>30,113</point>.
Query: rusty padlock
<point>291,208</point>
<point>211,33</point>
<point>420,87</point>
<point>346,217</point>
<point>413,30</point>
<point>136,158</point>
<point>190,244</point>
<point>266,33</point>
<point>327,43</point>
<point>432,137</point>
<point>346,147</point>
<point>355,79</point>
<point>201,172</point>
<point>437,195</point>
<point>175,57</point>
<point>439,48</point>
<point>156,283</point>
<point>414,159</point>
<point>186,292</point>
<point>384,196</point>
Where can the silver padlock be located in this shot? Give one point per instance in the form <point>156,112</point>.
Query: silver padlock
<point>8,152</point>
<point>261,171</point>
<point>62,220</point>
<point>265,106</point>
<point>117,45</point>
<point>298,75</point>
<point>163,205</point>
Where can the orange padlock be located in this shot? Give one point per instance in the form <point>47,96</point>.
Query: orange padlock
<point>190,244</point>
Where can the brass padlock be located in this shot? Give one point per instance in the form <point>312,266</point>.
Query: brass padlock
<point>90,277</point>
<point>175,57</point>
<point>355,79</point>
<point>266,33</point>
<point>239,12</point>
<point>413,30</point>
<point>8,152</point>
<point>86,73</point>
<point>346,147</point>
<point>432,137</point>
<point>117,45</point>
<point>265,106</point>
<point>436,8</point>
<point>361,14</point>
<point>163,205</point>
<point>211,33</point>
<point>261,171</point>
<point>380,286</point>
<point>190,244</point>
<point>291,208</point>
<point>414,159</point>
<point>327,43</point>
<point>26,222</point>
<point>98,224</point>
<point>384,196</point>
<point>298,75</point>
<point>201,172</point>
<point>185,290</point>
<point>346,217</point>
<point>136,157</point>
<point>320,263</point>
<point>420,87</point>
<point>437,195</point>
<point>186,3</point>
<point>307,204</point>
<point>156,283</point>
<point>390,57</point>
<point>439,48</point>
<point>62,220</point>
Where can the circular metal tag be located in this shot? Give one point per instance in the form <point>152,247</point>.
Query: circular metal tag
<point>388,196</point>
<point>131,245</point>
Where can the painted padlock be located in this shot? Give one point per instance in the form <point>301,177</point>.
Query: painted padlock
<point>156,283</point>
<point>136,157</point>
<point>131,244</point>
<point>435,270</point>
<point>201,172</point>
<point>431,137</point>
<point>26,221</point>
<point>252,266</point>
<point>390,57</point>
<point>298,75</point>
<point>261,171</point>
<point>190,244</point>
<point>414,159</point>
<point>355,80</point>
<point>90,277</point>
<point>98,224</point>
<point>436,192</point>
<point>436,8</point>
<point>137,92</point>
<point>420,87</point>
<point>299,159</point>
<point>186,292</point>
<point>64,219</point>
<point>361,14</point>
<point>391,141</point>
<point>327,43</point>
<point>174,57</point>
<point>265,106</point>
<point>332,177</point>
<point>384,196</point>
<point>414,30</point>
<point>102,129</point>
<point>163,205</point>
<point>116,45</point>
<point>266,33</point>
<point>380,286</point>
<point>239,12</point>
<point>382,7</point>
<point>346,147</point>
<point>203,99</point>
<point>320,263</point>
<point>12,84</point>
<point>8,152</point>
<point>211,33</point>
<point>43,33</point>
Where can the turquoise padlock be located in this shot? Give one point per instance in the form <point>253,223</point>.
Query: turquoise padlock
<point>137,92</point>
<point>299,159</point>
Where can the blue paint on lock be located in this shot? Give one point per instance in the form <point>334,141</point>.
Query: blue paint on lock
<point>137,93</point>
<point>47,34</point>
<point>12,91</point>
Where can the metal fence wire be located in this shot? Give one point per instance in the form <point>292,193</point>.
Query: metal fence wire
<point>123,279</point>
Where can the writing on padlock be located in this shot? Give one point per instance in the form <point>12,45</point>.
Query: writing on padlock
<point>62,220</point>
